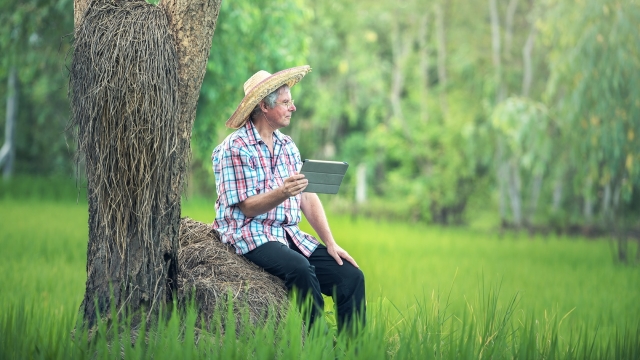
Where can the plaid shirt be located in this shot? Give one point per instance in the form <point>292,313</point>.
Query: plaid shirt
<point>244,167</point>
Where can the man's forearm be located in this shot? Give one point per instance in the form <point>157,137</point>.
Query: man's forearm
<point>265,202</point>
<point>262,203</point>
<point>314,212</point>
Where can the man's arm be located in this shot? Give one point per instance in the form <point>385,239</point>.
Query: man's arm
<point>314,212</point>
<point>262,203</point>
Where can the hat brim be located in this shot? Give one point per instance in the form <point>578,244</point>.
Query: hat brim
<point>265,87</point>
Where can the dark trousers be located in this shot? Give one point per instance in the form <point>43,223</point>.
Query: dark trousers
<point>319,274</point>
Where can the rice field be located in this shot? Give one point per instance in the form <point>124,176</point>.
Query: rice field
<point>431,293</point>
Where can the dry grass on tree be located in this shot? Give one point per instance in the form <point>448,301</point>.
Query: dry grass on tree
<point>212,270</point>
<point>124,92</point>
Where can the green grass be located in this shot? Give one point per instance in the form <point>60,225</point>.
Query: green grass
<point>432,293</point>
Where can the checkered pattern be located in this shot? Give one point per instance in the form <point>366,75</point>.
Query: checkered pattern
<point>244,167</point>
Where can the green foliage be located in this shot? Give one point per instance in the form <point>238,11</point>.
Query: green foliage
<point>410,90</point>
<point>594,87</point>
<point>249,36</point>
<point>34,40</point>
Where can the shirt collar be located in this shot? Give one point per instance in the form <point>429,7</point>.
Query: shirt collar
<point>254,136</point>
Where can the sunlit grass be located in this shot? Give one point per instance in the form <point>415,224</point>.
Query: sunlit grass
<point>431,292</point>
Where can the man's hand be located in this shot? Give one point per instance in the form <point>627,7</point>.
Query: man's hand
<point>294,185</point>
<point>339,253</point>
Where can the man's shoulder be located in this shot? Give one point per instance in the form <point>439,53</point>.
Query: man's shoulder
<point>234,142</point>
<point>236,139</point>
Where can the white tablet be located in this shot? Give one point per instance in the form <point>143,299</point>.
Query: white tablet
<point>324,176</point>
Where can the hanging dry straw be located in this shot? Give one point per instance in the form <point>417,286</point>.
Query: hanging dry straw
<point>211,270</point>
<point>124,97</point>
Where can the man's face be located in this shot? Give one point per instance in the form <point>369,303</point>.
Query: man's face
<point>280,115</point>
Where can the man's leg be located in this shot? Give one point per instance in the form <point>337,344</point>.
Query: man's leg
<point>292,267</point>
<point>344,281</point>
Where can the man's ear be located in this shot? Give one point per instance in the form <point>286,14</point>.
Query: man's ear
<point>263,106</point>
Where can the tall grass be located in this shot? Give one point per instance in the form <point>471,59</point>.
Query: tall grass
<point>432,293</point>
<point>487,329</point>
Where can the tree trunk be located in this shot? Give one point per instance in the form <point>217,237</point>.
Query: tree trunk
<point>588,201</point>
<point>144,276</point>
<point>536,188</point>
<point>8,150</point>
<point>496,46</point>
<point>515,192</point>
<point>361,184</point>
<point>527,63</point>
<point>502,166</point>
<point>508,32</point>
<point>501,174</point>
<point>423,34</point>
<point>441,37</point>
<point>556,201</point>
<point>400,50</point>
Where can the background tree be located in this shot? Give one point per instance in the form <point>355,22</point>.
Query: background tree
<point>594,87</point>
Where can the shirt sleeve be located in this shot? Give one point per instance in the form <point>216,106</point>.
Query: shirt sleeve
<point>239,177</point>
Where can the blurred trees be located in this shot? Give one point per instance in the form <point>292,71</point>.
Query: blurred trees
<point>33,48</point>
<point>594,57</point>
<point>526,109</point>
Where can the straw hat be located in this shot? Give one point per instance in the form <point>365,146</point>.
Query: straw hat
<point>259,86</point>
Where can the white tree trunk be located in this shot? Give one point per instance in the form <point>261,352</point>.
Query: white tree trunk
<point>496,46</point>
<point>527,63</point>
<point>361,184</point>
<point>8,151</point>
<point>588,201</point>
<point>515,193</point>
<point>557,195</point>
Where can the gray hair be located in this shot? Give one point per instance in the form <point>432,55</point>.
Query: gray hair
<point>269,100</point>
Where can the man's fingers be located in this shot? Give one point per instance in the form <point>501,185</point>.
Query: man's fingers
<point>337,258</point>
<point>348,257</point>
<point>352,261</point>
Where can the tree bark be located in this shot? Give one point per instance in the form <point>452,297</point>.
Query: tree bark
<point>8,150</point>
<point>145,277</point>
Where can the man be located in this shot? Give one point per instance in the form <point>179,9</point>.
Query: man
<point>260,196</point>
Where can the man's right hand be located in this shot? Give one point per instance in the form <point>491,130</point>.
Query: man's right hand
<point>294,185</point>
<point>262,203</point>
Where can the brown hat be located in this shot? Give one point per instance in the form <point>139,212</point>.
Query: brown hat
<point>259,86</point>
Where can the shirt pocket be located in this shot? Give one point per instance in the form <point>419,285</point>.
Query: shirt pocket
<point>293,163</point>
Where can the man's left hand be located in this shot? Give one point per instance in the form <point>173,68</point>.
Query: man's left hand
<point>339,253</point>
